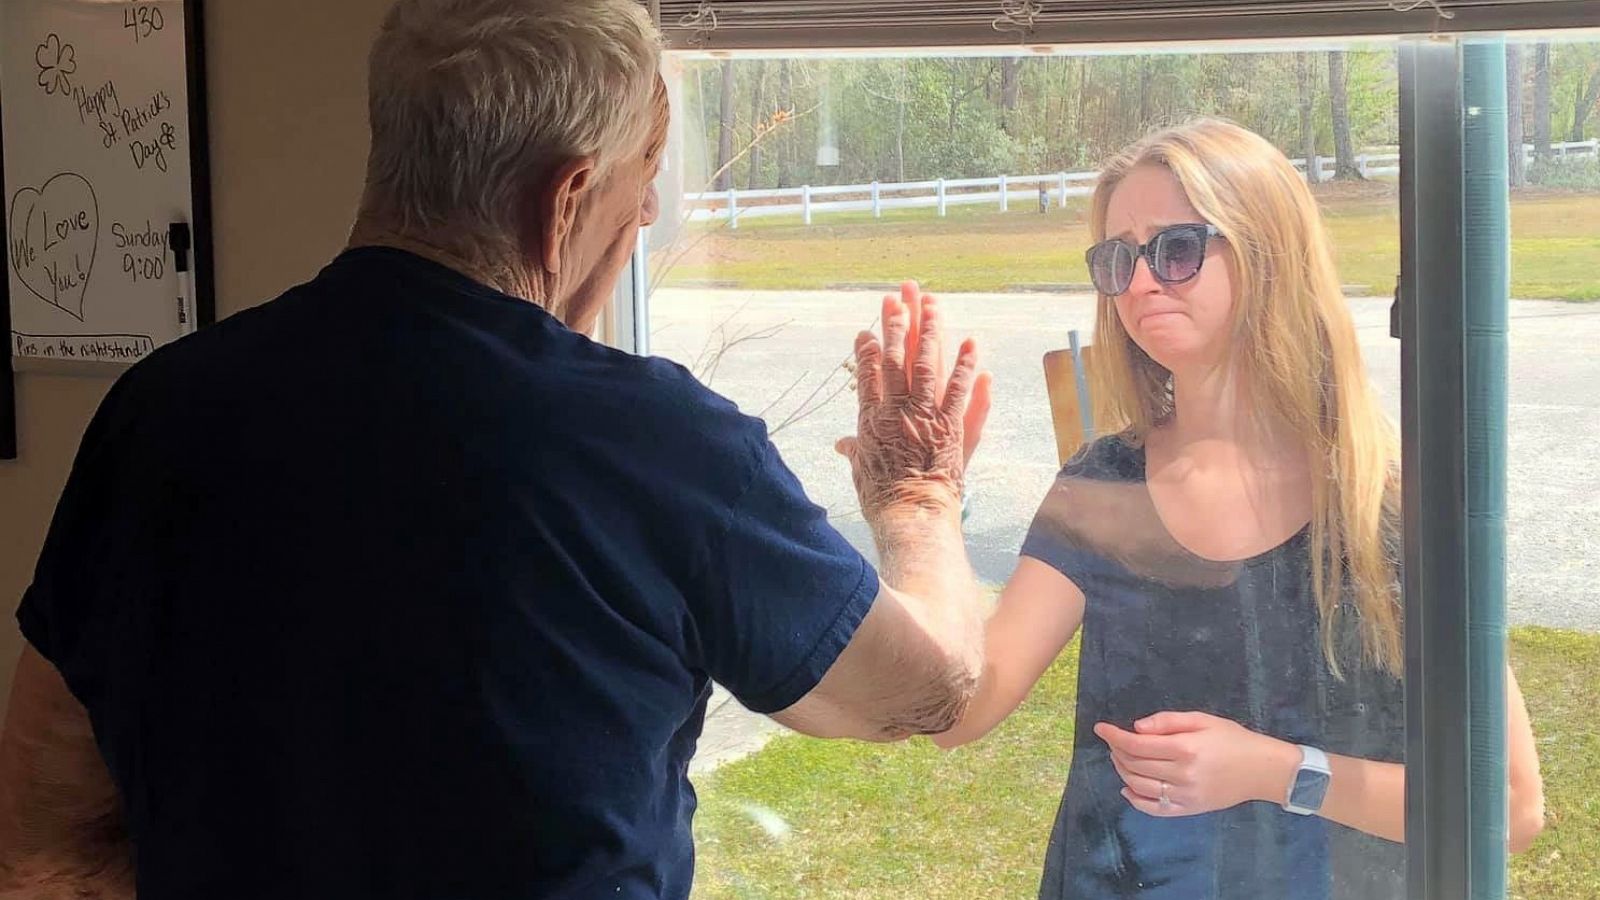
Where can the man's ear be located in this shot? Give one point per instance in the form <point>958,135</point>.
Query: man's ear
<point>555,207</point>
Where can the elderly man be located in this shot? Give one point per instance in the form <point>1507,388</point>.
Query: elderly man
<point>436,610</point>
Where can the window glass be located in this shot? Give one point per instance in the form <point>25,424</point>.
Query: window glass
<point>800,189</point>
<point>1553,490</point>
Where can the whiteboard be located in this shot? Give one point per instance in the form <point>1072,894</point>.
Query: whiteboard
<point>102,131</point>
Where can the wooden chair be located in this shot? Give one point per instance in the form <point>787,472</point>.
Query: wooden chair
<point>1067,383</point>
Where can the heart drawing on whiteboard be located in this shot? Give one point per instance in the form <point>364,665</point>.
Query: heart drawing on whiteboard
<point>54,232</point>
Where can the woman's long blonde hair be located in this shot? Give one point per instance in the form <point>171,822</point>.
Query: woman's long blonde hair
<point>1295,345</point>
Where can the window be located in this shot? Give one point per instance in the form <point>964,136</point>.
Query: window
<point>800,188</point>
<point>1552,514</point>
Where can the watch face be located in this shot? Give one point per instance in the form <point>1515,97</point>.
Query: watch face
<point>1310,789</point>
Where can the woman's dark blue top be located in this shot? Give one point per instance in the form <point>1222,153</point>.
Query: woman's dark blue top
<point>1165,629</point>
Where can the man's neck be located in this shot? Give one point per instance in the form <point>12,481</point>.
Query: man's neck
<point>500,269</point>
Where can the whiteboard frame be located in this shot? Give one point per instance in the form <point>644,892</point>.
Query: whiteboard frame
<point>194,43</point>
<point>8,378</point>
<point>202,264</point>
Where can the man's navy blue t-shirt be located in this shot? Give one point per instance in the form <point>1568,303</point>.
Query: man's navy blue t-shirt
<point>396,587</point>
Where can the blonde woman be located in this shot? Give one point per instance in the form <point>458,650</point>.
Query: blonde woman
<point>1230,554</point>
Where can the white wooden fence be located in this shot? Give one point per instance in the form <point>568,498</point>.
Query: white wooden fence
<point>1004,190</point>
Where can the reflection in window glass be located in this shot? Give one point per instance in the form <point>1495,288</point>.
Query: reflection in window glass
<point>1185,541</point>
<point>1244,683</point>
<point>1553,530</point>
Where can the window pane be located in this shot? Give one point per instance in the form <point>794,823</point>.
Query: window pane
<point>801,189</point>
<point>1553,503</point>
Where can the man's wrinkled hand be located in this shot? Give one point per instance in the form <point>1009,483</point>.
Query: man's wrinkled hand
<point>916,428</point>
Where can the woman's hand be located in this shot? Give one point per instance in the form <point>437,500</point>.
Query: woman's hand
<point>916,428</point>
<point>1200,762</point>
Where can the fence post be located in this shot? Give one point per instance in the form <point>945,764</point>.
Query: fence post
<point>941,198</point>
<point>733,207</point>
<point>1063,178</point>
<point>1361,164</point>
<point>877,205</point>
<point>805,202</point>
<point>1005,196</point>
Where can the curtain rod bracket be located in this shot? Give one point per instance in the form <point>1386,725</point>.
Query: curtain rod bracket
<point>1017,17</point>
<point>1440,13</point>
<point>702,22</point>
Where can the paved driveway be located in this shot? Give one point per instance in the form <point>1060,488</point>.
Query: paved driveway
<point>1554,533</point>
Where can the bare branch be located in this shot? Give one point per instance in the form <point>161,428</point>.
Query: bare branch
<point>741,338</point>
<point>779,399</point>
<point>778,119</point>
<point>806,407</point>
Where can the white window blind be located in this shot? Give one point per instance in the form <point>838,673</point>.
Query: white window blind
<point>842,24</point>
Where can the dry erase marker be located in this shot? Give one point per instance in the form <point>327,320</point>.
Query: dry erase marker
<point>178,239</point>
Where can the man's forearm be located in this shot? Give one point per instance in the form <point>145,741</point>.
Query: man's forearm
<point>922,552</point>
<point>25,885</point>
<point>921,647</point>
<point>61,830</point>
<point>923,555</point>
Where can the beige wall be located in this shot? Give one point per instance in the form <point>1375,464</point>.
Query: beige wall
<point>287,85</point>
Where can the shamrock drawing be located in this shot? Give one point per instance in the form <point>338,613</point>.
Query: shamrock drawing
<point>57,62</point>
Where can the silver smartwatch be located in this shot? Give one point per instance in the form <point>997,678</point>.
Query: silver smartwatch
<point>1310,785</point>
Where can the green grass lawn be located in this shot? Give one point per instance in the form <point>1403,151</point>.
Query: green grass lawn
<point>1555,247</point>
<point>865,821</point>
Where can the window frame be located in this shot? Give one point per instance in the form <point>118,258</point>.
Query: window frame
<point>738,25</point>
<point>1433,426</point>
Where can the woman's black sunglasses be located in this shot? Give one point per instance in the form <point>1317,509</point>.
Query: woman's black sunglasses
<point>1175,255</point>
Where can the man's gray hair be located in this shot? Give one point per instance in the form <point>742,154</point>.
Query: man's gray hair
<point>470,99</point>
